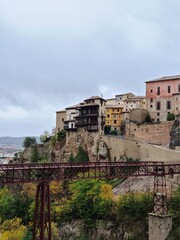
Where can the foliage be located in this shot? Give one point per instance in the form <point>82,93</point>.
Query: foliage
<point>131,159</point>
<point>14,205</point>
<point>13,229</point>
<point>34,154</point>
<point>6,210</point>
<point>61,135</point>
<point>91,199</point>
<point>170,117</point>
<point>174,209</point>
<point>133,207</point>
<point>28,141</point>
<point>56,190</point>
<point>148,119</point>
<point>82,156</point>
<point>53,141</point>
<point>45,137</point>
<point>115,182</point>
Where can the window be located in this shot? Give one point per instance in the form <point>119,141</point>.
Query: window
<point>158,90</point>
<point>168,104</point>
<point>158,114</point>
<point>158,105</point>
<point>178,87</point>
<point>151,90</point>
<point>151,106</point>
<point>151,100</point>
<point>169,89</point>
<point>115,121</point>
<point>108,116</point>
<point>158,120</point>
<point>118,110</point>
<point>62,119</point>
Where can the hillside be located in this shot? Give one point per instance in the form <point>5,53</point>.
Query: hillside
<point>18,141</point>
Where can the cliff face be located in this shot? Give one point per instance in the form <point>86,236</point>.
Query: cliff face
<point>105,230</point>
<point>175,134</point>
<point>91,142</point>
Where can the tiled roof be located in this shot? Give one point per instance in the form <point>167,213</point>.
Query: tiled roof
<point>167,78</point>
<point>93,98</point>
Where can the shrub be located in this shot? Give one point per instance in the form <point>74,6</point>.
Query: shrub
<point>61,135</point>
<point>170,117</point>
<point>28,141</point>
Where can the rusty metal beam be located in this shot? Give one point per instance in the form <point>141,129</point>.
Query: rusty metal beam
<point>25,173</point>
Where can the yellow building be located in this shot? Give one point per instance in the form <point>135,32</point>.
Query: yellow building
<point>113,118</point>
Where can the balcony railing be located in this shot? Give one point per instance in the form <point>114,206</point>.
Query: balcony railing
<point>87,114</point>
<point>85,123</point>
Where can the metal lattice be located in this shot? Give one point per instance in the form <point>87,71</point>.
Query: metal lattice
<point>45,173</point>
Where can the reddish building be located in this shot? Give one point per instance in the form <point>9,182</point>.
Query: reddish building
<point>163,97</point>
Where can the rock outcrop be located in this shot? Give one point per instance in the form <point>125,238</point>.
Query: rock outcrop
<point>175,134</point>
<point>105,230</point>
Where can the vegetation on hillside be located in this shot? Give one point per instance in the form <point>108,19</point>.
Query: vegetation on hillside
<point>28,141</point>
<point>89,200</point>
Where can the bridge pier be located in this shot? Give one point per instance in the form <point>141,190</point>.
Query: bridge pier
<point>42,213</point>
<point>159,226</point>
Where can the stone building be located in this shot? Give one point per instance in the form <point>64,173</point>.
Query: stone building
<point>113,118</point>
<point>71,114</point>
<point>60,117</point>
<point>135,102</point>
<point>163,97</point>
<point>91,115</point>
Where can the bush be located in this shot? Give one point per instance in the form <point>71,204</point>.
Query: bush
<point>61,135</point>
<point>148,119</point>
<point>133,207</point>
<point>28,141</point>
<point>82,156</point>
<point>170,117</point>
<point>91,200</point>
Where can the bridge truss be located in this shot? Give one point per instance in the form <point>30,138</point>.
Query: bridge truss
<point>45,173</point>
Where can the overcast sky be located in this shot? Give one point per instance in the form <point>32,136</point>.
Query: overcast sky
<point>55,53</point>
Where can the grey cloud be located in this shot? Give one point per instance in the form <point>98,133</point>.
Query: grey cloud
<point>89,49</point>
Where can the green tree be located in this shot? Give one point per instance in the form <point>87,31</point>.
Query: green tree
<point>13,229</point>
<point>82,155</point>
<point>28,141</point>
<point>61,135</point>
<point>132,207</point>
<point>91,199</point>
<point>14,205</point>
<point>6,200</point>
<point>170,117</point>
<point>45,137</point>
<point>34,154</point>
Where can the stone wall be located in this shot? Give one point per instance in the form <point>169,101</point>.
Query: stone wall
<point>159,226</point>
<point>120,148</point>
<point>105,230</point>
<point>150,133</point>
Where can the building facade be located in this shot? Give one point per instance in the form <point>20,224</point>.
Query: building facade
<point>71,114</point>
<point>113,118</point>
<point>135,102</point>
<point>91,115</point>
<point>163,97</point>
<point>60,118</point>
